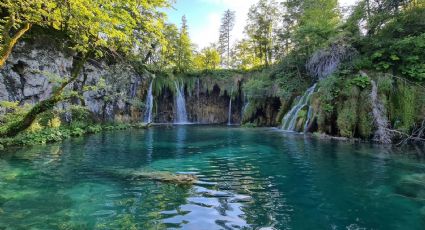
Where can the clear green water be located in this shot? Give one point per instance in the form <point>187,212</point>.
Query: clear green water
<point>249,179</point>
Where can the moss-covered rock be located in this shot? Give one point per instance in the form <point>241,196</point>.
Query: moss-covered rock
<point>160,176</point>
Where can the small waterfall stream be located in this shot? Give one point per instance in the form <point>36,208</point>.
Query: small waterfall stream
<point>229,116</point>
<point>245,106</point>
<point>382,134</point>
<point>181,114</point>
<point>290,119</point>
<point>309,115</point>
<point>149,106</point>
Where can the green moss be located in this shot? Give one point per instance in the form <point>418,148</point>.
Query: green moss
<point>403,108</point>
<point>365,119</point>
<point>348,112</point>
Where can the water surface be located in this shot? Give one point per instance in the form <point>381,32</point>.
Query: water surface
<point>248,179</point>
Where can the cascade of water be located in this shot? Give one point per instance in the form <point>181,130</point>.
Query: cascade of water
<point>289,121</point>
<point>198,110</point>
<point>181,114</point>
<point>246,104</point>
<point>382,134</point>
<point>149,106</point>
<point>309,114</point>
<point>197,89</point>
<point>229,116</point>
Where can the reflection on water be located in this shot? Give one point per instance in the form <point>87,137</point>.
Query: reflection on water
<point>247,179</point>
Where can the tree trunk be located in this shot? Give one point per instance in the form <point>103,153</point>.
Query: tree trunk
<point>9,42</point>
<point>43,106</point>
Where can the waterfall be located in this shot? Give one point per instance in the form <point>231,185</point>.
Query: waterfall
<point>290,119</point>
<point>382,135</point>
<point>149,105</point>
<point>229,116</point>
<point>181,114</point>
<point>309,114</point>
<point>198,101</point>
<point>229,120</point>
<point>246,104</point>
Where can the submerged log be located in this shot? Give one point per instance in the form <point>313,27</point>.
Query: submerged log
<point>160,176</point>
<point>166,177</point>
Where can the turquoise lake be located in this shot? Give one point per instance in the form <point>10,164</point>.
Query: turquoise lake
<point>248,179</point>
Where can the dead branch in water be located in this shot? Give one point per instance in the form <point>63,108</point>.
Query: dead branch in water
<point>417,135</point>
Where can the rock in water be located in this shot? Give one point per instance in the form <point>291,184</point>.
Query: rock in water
<point>167,177</point>
<point>412,186</point>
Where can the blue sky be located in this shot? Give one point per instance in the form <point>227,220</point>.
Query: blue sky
<point>204,17</point>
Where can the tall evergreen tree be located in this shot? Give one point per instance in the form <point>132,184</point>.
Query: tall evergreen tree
<point>227,24</point>
<point>184,49</point>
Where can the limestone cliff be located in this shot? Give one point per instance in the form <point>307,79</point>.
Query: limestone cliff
<point>35,65</point>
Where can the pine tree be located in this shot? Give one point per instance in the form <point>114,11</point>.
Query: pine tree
<point>227,24</point>
<point>184,49</point>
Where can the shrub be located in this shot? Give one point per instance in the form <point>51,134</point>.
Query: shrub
<point>35,127</point>
<point>94,129</point>
<point>77,132</point>
<point>54,123</point>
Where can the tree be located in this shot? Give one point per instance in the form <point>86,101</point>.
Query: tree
<point>244,55</point>
<point>184,48</point>
<point>94,27</point>
<point>208,58</point>
<point>17,17</point>
<point>290,13</point>
<point>169,55</point>
<point>227,24</point>
<point>262,21</point>
<point>317,24</point>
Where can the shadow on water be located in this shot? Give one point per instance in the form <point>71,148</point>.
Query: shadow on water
<point>247,179</point>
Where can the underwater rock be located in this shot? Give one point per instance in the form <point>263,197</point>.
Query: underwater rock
<point>160,176</point>
<point>166,177</point>
<point>412,186</point>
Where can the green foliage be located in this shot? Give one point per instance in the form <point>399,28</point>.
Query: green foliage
<point>262,20</point>
<point>405,107</point>
<point>76,129</point>
<point>14,113</point>
<point>249,125</point>
<point>184,49</point>
<point>244,57</point>
<point>360,81</point>
<point>257,88</point>
<point>348,113</point>
<point>94,129</point>
<point>78,113</point>
<point>317,24</point>
<point>208,58</point>
<point>365,119</point>
<point>398,46</point>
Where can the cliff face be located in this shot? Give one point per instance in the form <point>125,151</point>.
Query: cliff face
<point>34,66</point>
<point>203,106</point>
<point>117,93</point>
